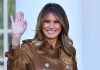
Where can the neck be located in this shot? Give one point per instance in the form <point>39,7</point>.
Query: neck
<point>52,42</point>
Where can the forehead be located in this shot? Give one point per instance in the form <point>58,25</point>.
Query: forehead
<point>51,16</point>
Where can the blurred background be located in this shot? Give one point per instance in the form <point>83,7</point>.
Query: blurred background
<point>7,7</point>
<point>83,15</point>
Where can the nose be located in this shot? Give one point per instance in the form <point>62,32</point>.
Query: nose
<point>51,25</point>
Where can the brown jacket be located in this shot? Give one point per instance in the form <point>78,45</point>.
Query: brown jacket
<point>43,58</point>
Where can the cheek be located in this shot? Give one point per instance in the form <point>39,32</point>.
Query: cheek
<point>58,27</point>
<point>44,25</point>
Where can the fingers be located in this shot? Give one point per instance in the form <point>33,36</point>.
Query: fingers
<point>25,24</point>
<point>19,17</point>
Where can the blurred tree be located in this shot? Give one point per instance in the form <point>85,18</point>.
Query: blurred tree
<point>1,14</point>
<point>11,10</point>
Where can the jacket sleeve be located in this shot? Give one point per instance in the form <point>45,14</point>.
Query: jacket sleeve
<point>17,59</point>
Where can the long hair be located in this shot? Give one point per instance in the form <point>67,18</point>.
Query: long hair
<point>57,10</point>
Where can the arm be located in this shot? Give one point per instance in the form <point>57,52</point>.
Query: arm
<point>17,59</point>
<point>18,28</point>
<point>15,54</point>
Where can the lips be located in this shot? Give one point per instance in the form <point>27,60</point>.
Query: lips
<point>51,31</point>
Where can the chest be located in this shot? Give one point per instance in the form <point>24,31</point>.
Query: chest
<point>55,59</point>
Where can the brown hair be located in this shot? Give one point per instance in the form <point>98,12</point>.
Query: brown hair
<point>57,10</point>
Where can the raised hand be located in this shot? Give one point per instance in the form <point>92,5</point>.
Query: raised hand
<point>18,28</point>
<point>19,25</point>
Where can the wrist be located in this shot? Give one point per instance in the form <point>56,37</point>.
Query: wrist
<point>15,41</point>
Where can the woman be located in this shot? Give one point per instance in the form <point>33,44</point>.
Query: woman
<point>50,49</point>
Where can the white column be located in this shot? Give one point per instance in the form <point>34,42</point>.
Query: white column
<point>5,21</point>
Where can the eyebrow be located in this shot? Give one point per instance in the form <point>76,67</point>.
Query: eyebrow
<point>57,21</point>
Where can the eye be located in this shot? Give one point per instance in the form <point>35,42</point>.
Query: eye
<point>46,21</point>
<point>56,21</point>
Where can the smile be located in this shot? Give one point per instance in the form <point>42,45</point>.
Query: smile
<point>51,31</point>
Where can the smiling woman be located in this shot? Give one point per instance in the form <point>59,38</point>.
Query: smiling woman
<point>51,28</point>
<point>50,49</point>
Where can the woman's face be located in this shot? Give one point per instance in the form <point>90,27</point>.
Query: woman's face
<point>51,26</point>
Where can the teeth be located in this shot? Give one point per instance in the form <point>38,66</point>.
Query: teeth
<point>51,31</point>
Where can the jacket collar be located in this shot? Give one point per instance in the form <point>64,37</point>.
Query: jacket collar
<point>46,44</point>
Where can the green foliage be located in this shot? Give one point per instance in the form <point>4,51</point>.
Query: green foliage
<point>11,11</point>
<point>1,44</point>
<point>1,13</point>
<point>11,6</point>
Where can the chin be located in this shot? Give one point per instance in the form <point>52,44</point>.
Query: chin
<point>51,37</point>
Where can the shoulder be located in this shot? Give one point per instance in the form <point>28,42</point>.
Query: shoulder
<point>27,40</point>
<point>26,43</point>
<point>28,48</point>
<point>30,44</point>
